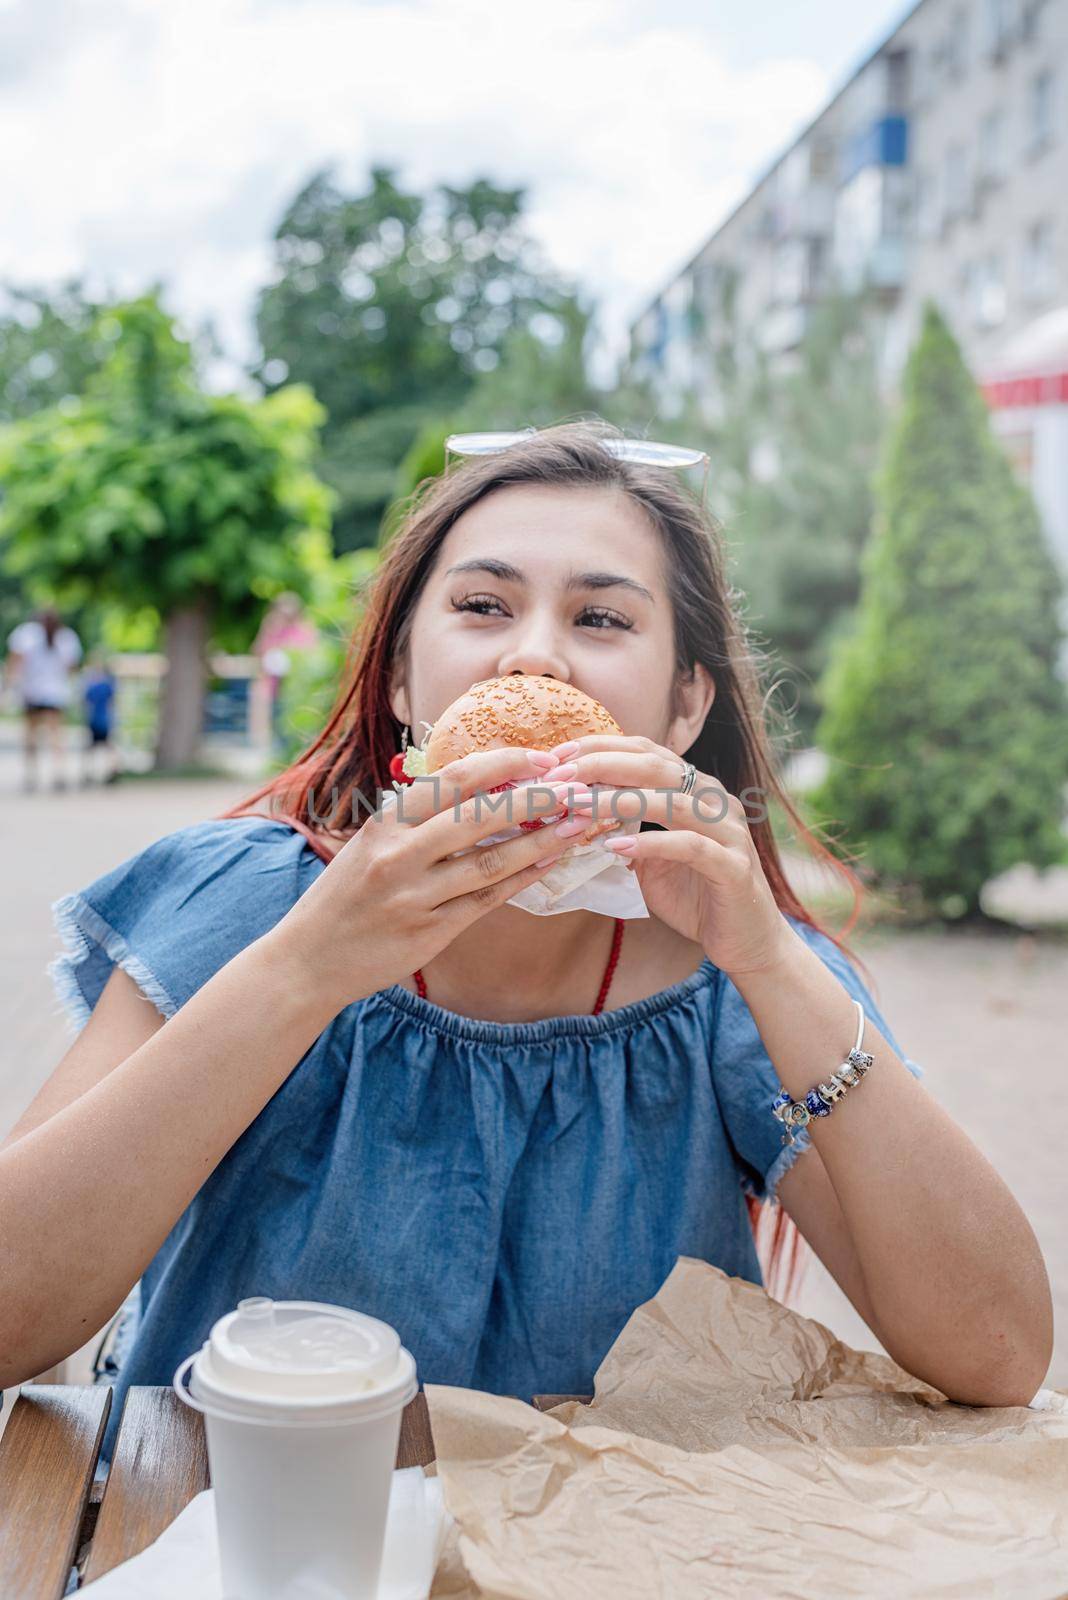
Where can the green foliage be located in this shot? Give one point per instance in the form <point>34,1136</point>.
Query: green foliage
<point>310,687</point>
<point>390,305</point>
<point>50,347</point>
<point>150,494</point>
<point>542,379</point>
<point>946,720</point>
<point>794,450</point>
<point>425,459</point>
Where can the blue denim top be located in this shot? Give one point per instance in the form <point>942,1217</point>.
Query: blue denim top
<point>504,1194</point>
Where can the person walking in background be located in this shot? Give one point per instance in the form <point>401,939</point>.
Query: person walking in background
<point>42,654</point>
<point>98,699</point>
<point>285,628</point>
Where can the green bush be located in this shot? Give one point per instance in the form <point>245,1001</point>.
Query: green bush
<point>310,687</point>
<point>946,720</point>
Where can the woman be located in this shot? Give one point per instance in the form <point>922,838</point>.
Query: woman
<point>284,629</point>
<point>489,1167</point>
<point>43,653</point>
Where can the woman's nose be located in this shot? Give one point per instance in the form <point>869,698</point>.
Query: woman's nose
<point>535,659</point>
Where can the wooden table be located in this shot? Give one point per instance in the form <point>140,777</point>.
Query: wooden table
<point>52,1514</point>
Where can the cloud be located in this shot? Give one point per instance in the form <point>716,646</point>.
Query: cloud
<point>149,140</point>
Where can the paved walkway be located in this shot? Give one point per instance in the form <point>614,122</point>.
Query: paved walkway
<point>984,1016</point>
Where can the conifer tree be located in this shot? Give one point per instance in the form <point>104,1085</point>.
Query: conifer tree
<point>946,718</point>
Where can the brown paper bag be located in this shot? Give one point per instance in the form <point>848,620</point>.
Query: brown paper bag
<point>737,1449</point>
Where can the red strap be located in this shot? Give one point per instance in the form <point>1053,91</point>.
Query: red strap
<point>613,962</point>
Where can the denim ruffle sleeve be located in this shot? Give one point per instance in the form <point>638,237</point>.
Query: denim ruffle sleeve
<point>175,913</point>
<point>746,1081</point>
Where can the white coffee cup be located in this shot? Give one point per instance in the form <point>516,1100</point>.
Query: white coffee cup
<point>302,1403</point>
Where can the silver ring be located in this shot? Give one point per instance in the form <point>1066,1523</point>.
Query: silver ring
<point>689,778</point>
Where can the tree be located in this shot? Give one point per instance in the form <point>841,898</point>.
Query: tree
<point>48,352</point>
<point>390,305</point>
<point>794,445</point>
<point>946,720</point>
<point>150,492</point>
<point>541,379</point>
<point>805,515</point>
<point>49,346</point>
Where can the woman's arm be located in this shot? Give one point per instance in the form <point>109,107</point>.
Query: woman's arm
<point>952,1271</point>
<point>122,1021</point>
<point>930,1237</point>
<point>89,1192</point>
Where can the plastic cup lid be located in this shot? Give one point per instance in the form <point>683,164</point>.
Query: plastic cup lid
<point>299,1350</point>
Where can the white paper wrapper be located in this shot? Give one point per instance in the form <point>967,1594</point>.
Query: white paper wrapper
<point>587,877</point>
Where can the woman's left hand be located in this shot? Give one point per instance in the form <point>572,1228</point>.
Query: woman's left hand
<point>703,876</point>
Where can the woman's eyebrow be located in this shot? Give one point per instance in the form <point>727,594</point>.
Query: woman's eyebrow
<point>576,580</point>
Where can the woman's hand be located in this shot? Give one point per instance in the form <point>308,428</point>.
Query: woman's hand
<point>703,876</point>
<point>392,899</point>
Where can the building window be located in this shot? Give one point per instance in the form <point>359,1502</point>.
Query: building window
<point>992,147</point>
<point>1041,113</point>
<point>897,80</point>
<point>925,206</point>
<point>1039,271</point>
<point>1030,21</point>
<point>790,272</point>
<point>999,20</point>
<point>956,182</point>
<point>821,160</point>
<point>982,292</point>
<point>956,45</point>
<point>987,292</point>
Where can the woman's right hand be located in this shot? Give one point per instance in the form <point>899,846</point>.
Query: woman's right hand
<point>391,899</point>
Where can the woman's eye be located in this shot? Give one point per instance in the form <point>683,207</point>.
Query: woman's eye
<point>479,603</point>
<point>610,619</point>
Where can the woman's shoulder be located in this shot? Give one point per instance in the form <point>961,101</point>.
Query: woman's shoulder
<point>194,856</point>
<point>176,911</point>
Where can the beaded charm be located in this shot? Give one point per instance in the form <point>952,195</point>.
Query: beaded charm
<point>795,1114</point>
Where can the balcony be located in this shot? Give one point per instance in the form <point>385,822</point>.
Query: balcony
<point>885,267</point>
<point>883,143</point>
<point>810,212</point>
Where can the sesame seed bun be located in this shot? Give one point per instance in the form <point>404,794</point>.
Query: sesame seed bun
<point>522,709</point>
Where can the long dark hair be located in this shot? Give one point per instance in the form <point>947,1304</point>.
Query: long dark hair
<point>351,755</point>
<point>51,622</point>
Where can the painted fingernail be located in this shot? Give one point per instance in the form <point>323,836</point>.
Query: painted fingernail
<point>622,847</point>
<point>543,759</point>
<point>571,748</point>
<point>572,827</point>
<point>546,861</point>
<point>558,774</point>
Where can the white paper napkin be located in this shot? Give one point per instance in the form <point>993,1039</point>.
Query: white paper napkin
<point>586,878</point>
<point>183,1563</point>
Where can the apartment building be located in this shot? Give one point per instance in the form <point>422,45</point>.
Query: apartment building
<point>940,170</point>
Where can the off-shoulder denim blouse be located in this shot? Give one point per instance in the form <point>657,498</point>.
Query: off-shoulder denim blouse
<point>504,1194</point>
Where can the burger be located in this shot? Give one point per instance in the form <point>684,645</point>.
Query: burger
<point>534,712</point>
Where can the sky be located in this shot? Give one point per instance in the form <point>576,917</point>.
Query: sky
<point>145,140</point>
